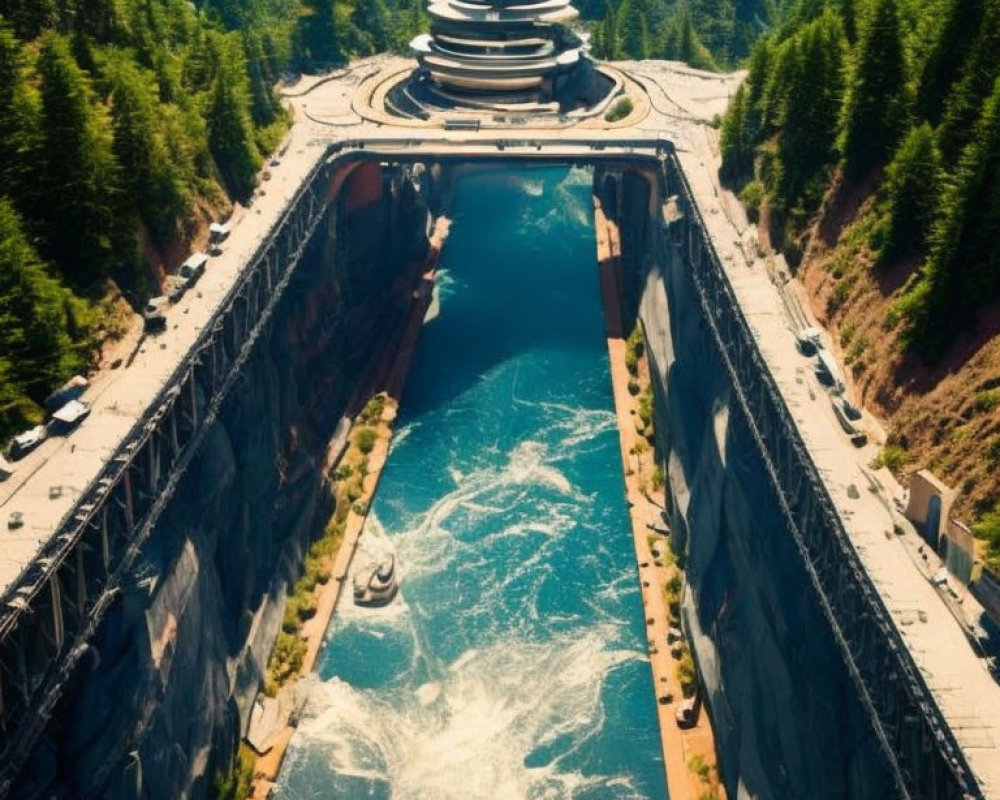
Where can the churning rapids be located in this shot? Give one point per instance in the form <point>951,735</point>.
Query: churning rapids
<point>511,665</point>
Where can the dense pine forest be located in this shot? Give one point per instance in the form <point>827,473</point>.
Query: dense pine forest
<point>119,119</point>
<point>708,34</point>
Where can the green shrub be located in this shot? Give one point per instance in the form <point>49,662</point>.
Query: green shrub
<point>343,472</point>
<point>753,198</point>
<point>236,784</point>
<point>992,452</point>
<point>286,659</point>
<point>892,456</point>
<point>306,607</point>
<point>635,342</point>
<point>365,440</point>
<point>988,400</point>
<point>698,766</point>
<point>646,408</point>
<point>988,529</point>
<point>372,412</point>
<point>620,110</point>
<point>631,363</point>
<point>686,675</point>
<point>657,479</point>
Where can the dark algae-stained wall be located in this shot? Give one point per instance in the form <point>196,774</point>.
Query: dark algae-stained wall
<point>162,697</point>
<point>787,719</point>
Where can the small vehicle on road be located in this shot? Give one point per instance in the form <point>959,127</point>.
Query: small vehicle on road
<point>192,269</point>
<point>849,417</point>
<point>218,232</point>
<point>69,416</point>
<point>24,443</point>
<point>71,390</point>
<point>154,314</point>
<point>686,715</point>
<point>175,286</point>
<point>808,341</point>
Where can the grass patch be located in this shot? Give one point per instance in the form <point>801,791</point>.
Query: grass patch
<point>987,401</point>
<point>657,479</point>
<point>371,414</point>
<point>686,675</point>
<point>365,439</point>
<point>235,785</point>
<point>892,456</point>
<point>620,110</point>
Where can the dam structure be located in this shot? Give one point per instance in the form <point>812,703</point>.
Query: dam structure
<point>145,590</point>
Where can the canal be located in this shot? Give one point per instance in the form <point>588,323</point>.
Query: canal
<point>511,664</point>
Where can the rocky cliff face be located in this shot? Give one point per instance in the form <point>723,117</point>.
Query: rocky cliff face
<point>787,720</point>
<point>165,693</point>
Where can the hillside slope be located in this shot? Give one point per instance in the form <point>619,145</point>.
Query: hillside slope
<point>867,140</point>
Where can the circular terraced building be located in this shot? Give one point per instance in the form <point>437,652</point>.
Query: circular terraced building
<point>508,51</point>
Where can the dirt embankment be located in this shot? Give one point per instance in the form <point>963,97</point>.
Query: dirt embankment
<point>943,416</point>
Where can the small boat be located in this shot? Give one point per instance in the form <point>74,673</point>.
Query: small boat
<point>376,583</point>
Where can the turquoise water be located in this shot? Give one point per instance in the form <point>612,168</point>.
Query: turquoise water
<point>511,665</point>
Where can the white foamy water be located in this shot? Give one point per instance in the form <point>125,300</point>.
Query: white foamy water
<point>465,736</point>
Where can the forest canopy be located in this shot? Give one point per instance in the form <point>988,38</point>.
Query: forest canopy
<point>903,93</point>
<point>119,117</point>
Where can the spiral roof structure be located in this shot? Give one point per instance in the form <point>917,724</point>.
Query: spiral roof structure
<point>499,47</point>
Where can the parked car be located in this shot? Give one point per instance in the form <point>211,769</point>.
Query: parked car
<point>827,372</point>
<point>69,416</point>
<point>71,390</point>
<point>686,715</point>
<point>849,417</point>
<point>192,269</point>
<point>154,314</point>
<point>175,286</point>
<point>24,443</point>
<point>218,232</point>
<point>807,341</point>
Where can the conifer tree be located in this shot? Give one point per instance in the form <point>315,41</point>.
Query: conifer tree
<point>318,32</point>
<point>963,268</point>
<point>980,69</point>
<point>957,31</point>
<point>876,104</point>
<point>632,33</point>
<point>37,315</point>
<point>910,188</point>
<point>79,176</point>
<point>849,19</point>
<point>610,42</point>
<point>811,108</point>
<point>18,123</point>
<point>690,49</point>
<point>735,142</point>
<point>149,175</point>
<point>230,132</point>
